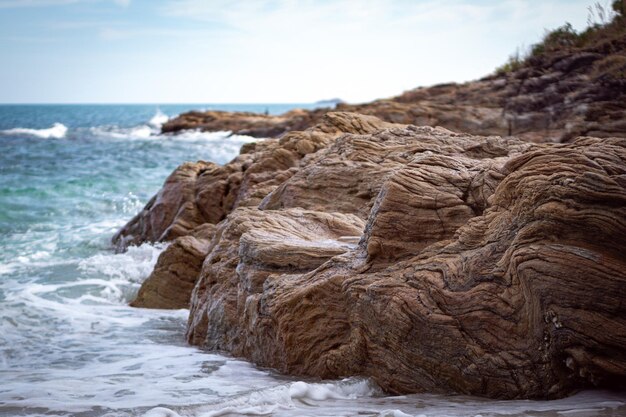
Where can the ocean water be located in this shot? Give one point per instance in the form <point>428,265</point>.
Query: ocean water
<point>70,176</point>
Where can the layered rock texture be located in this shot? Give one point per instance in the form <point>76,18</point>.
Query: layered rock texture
<point>426,259</point>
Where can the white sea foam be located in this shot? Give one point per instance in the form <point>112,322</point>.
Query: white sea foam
<point>152,131</point>
<point>352,398</point>
<point>158,119</point>
<point>114,132</point>
<point>291,398</point>
<point>134,265</point>
<point>57,131</point>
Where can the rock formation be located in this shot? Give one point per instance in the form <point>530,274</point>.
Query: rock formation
<point>428,260</point>
<point>170,284</point>
<point>244,123</point>
<point>204,192</point>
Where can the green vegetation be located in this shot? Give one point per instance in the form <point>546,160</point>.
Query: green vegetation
<point>604,25</point>
<point>515,62</point>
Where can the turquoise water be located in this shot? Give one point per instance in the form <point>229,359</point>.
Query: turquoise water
<point>70,176</point>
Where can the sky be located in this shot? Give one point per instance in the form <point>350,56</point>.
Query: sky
<point>259,51</point>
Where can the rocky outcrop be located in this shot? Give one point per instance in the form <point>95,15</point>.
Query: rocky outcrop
<point>172,212</point>
<point>204,192</point>
<point>428,260</point>
<point>252,246</point>
<point>554,97</point>
<point>486,266</point>
<point>245,123</point>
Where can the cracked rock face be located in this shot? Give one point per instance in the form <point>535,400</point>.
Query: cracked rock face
<point>428,260</point>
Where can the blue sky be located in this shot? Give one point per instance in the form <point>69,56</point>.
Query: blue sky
<point>221,51</point>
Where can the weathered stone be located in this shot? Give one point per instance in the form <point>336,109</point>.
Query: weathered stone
<point>171,213</point>
<point>487,267</point>
<point>169,286</point>
<point>250,246</point>
<point>205,192</point>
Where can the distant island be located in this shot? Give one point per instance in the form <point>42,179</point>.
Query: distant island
<point>329,102</point>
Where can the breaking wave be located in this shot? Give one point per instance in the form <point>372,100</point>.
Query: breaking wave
<point>158,119</point>
<point>57,131</point>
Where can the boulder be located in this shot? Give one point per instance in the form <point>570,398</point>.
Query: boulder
<point>170,284</point>
<point>249,247</point>
<point>486,266</point>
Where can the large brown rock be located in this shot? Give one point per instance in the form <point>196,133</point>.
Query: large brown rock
<point>197,196</point>
<point>348,175</point>
<point>171,213</point>
<point>170,284</point>
<point>204,192</point>
<point>487,266</point>
<point>428,260</point>
<point>252,245</point>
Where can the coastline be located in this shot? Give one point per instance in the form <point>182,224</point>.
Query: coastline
<point>444,236</point>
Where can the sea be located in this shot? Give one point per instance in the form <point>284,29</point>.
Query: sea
<point>70,177</point>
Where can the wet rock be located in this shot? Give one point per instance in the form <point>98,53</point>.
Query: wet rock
<point>171,213</point>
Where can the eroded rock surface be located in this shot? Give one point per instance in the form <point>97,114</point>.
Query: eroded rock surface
<point>171,213</point>
<point>487,266</point>
<point>170,284</point>
<point>251,246</point>
<point>428,260</point>
<point>204,192</point>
